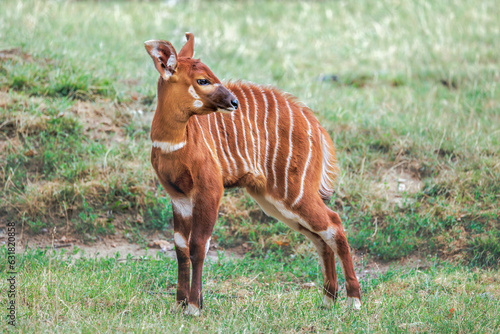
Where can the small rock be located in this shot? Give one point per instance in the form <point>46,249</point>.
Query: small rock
<point>164,245</point>
<point>401,185</point>
<point>113,245</point>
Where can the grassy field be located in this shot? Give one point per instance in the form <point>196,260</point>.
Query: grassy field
<point>409,93</point>
<point>62,294</point>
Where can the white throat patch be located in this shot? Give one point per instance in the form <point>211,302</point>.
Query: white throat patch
<point>168,147</point>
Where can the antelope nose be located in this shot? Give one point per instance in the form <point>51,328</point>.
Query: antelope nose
<point>234,103</point>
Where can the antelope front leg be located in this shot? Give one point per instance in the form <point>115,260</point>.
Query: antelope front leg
<point>182,230</point>
<point>204,217</point>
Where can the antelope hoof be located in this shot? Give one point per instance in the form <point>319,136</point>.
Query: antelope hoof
<point>354,303</point>
<point>328,302</point>
<point>192,310</point>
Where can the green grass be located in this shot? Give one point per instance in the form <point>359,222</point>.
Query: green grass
<point>63,293</point>
<point>406,90</point>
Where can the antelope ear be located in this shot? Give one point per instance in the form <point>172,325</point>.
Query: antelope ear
<point>164,57</point>
<point>188,48</point>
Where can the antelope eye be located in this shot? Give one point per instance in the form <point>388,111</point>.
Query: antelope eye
<point>203,82</point>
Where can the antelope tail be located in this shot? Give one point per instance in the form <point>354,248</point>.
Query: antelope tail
<point>329,169</point>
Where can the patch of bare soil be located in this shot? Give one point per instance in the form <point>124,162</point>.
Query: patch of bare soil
<point>108,246</point>
<point>99,120</point>
<point>397,183</point>
<point>14,54</point>
<point>119,243</point>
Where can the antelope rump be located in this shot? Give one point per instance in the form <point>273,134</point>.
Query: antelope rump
<point>207,136</point>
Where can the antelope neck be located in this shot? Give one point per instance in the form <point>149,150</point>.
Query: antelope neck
<point>166,128</point>
<point>169,124</point>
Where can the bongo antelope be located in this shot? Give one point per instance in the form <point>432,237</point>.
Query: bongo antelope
<point>207,136</point>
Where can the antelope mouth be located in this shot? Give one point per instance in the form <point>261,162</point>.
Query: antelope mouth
<point>226,110</point>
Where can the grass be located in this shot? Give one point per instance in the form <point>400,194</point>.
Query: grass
<point>66,293</point>
<point>408,91</point>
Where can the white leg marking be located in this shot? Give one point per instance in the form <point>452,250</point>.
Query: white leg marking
<point>328,236</point>
<point>309,134</point>
<point>328,302</point>
<point>289,158</point>
<point>245,165</point>
<point>197,104</point>
<point>180,241</point>
<point>227,144</point>
<point>192,310</point>
<point>354,302</point>
<point>182,206</point>
<point>216,158</point>
<point>266,160</point>
<point>270,209</point>
<point>176,307</point>
<point>207,246</point>
<point>244,130</point>
<point>280,206</point>
<point>277,138</point>
<point>168,147</point>
<point>192,92</point>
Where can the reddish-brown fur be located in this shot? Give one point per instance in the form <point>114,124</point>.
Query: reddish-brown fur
<point>272,145</point>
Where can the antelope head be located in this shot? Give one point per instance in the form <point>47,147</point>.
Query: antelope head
<point>186,85</point>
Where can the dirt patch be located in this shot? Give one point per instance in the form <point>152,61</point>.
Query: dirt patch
<point>15,54</point>
<point>98,121</point>
<point>397,183</point>
<point>108,246</point>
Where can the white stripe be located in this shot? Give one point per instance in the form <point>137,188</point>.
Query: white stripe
<point>230,171</point>
<point>277,138</point>
<point>309,134</point>
<point>290,151</point>
<point>245,165</point>
<point>244,131</point>
<point>212,137</point>
<point>266,162</point>
<point>168,147</point>
<point>203,134</point>
<point>227,143</point>
<point>256,162</point>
